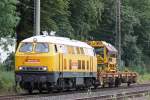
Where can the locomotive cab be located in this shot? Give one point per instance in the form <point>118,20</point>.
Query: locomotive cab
<point>32,63</point>
<point>33,56</point>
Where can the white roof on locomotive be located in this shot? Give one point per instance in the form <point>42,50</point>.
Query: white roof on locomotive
<point>57,40</point>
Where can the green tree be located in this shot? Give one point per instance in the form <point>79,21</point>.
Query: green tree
<point>131,53</point>
<point>106,29</point>
<point>140,9</point>
<point>8,17</point>
<point>54,16</point>
<point>85,16</point>
<point>24,28</point>
<point>83,19</point>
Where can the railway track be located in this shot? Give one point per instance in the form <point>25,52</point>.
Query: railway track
<point>124,96</point>
<point>120,93</point>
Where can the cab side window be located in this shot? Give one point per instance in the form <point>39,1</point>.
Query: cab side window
<point>90,52</point>
<point>85,51</point>
<point>70,49</point>
<point>75,50</point>
<point>62,49</point>
<point>78,50</point>
<point>82,51</point>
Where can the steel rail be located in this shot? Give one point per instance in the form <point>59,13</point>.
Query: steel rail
<point>103,97</point>
<point>131,95</point>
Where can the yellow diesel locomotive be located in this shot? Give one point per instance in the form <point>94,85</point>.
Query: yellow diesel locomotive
<point>50,62</point>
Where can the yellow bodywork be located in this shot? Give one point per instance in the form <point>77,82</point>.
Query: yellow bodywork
<point>107,63</point>
<point>56,61</point>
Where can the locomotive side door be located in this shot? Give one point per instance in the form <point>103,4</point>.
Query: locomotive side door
<point>60,58</point>
<point>62,53</point>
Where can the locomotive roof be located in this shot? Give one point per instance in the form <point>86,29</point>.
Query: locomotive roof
<point>57,40</point>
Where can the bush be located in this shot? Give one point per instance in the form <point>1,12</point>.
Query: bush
<point>144,78</point>
<point>7,81</point>
<point>9,63</point>
<point>2,67</point>
<point>139,69</point>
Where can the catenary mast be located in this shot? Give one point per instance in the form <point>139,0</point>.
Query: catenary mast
<point>37,17</point>
<point>118,30</point>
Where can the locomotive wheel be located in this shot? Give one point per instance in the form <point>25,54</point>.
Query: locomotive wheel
<point>30,91</point>
<point>61,85</point>
<point>95,84</point>
<point>29,87</point>
<point>80,87</point>
<point>88,83</point>
<point>103,85</point>
<point>69,84</point>
<point>49,88</point>
<point>40,88</point>
<point>110,85</point>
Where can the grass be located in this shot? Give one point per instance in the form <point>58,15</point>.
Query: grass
<point>7,82</point>
<point>145,78</point>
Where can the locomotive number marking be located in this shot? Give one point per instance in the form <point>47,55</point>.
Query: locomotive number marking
<point>32,60</point>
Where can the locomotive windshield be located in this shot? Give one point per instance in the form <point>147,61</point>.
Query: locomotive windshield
<point>26,47</point>
<point>99,51</point>
<point>41,47</point>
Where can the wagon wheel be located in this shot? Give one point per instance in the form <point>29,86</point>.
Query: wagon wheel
<point>117,82</point>
<point>128,84</point>
<point>111,83</point>
<point>103,85</point>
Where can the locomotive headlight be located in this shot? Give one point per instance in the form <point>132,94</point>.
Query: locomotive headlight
<point>44,68</point>
<point>20,68</point>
